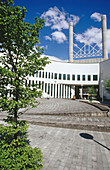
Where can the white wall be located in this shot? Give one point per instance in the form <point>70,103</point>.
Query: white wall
<point>104,75</point>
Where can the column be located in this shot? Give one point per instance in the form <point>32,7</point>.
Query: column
<point>71,42</point>
<point>104,37</point>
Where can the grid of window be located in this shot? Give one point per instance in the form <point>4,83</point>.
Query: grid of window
<point>60,76</point>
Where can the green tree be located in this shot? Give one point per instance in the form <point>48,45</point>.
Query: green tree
<point>91,92</point>
<point>107,85</point>
<point>20,56</point>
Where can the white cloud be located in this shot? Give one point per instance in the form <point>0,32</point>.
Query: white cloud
<point>58,19</point>
<point>45,47</point>
<point>48,38</point>
<point>73,18</point>
<point>96,16</point>
<point>92,35</point>
<point>58,36</point>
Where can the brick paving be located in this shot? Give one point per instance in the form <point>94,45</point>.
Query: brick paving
<point>65,149</point>
<point>69,149</point>
<point>66,113</point>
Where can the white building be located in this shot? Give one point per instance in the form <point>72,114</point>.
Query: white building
<point>61,79</point>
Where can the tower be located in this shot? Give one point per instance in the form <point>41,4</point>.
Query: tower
<point>104,37</point>
<point>70,42</point>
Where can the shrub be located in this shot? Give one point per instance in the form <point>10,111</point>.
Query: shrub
<point>17,154</point>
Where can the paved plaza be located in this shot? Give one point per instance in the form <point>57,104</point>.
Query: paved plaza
<point>82,144</point>
<point>70,149</point>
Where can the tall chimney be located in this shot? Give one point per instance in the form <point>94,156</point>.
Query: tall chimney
<point>70,42</point>
<point>104,37</point>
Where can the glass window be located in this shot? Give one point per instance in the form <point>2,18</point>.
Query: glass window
<point>55,76</point>
<point>39,74</point>
<point>95,77</point>
<point>43,74</point>
<point>39,84</point>
<point>51,89</point>
<point>45,87</point>
<point>78,77</point>
<point>52,76</point>
<point>73,77</point>
<point>60,76</point>
<point>83,77</point>
<point>68,76</point>
<point>29,83</point>
<point>32,82</point>
<point>89,77</point>
<point>26,83</point>
<point>46,75</point>
<point>42,85</point>
<point>64,76</point>
<point>36,74</point>
<point>49,75</point>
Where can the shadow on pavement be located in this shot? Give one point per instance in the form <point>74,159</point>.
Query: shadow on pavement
<point>90,137</point>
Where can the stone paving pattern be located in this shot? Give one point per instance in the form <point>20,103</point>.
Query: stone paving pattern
<point>65,149</point>
<point>62,106</point>
<point>66,113</point>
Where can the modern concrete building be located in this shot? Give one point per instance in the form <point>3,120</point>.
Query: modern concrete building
<point>61,79</point>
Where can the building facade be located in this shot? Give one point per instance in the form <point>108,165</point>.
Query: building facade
<point>61,79</point>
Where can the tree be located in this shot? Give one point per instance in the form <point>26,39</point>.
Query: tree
<point>20,56</point>
<point>91,92</point>
<point>107,86</point>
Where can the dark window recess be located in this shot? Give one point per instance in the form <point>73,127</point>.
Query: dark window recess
<point>95,77</point>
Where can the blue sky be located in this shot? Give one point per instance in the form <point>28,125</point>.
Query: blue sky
<point>86,18</point>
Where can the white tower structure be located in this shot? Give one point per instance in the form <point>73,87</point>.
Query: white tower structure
<point>71,42</point>
<point>104,37</point>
